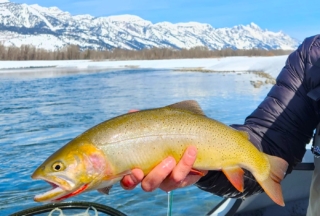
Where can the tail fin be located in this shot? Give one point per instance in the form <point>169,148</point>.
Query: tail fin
<point>271,185</point>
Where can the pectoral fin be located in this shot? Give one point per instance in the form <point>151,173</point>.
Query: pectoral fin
<point>105,190</point>
<point>106,185</point>
<point>196,172</point>
<point>235,176</point>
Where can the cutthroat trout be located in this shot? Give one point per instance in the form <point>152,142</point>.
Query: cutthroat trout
<point>102,155</point>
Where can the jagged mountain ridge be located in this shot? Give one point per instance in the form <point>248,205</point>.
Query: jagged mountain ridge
<point>52,28</point>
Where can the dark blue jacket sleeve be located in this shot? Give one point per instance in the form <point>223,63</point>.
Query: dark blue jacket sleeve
<point>284,122</point>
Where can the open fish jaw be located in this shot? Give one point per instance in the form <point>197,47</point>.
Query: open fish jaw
<point>56,192</point>
<point>61,186</point>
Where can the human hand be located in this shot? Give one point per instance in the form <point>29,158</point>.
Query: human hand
<point>168,175</point>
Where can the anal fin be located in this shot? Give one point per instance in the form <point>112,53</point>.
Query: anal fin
<point>235,176</point>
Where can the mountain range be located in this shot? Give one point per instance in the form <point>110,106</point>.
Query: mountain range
<point>51,28</point>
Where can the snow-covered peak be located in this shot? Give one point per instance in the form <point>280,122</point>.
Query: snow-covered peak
<point>53,11</point>
<point>83,16</point>
<point>52,28</point>
<point>254,26</point>
<point>54,8</point>
<point>192,24</point>
<point>127,18</point>
<point>38,7</point>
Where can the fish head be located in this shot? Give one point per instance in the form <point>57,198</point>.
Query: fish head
<point>77,167</point>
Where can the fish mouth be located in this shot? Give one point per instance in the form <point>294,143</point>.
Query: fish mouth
<point>55,192</point>
<point>61,189</point>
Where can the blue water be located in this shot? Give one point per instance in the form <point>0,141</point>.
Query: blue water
<point>40,113</point>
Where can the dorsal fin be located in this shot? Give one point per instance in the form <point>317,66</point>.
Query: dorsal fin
<point>245,134</point>
<point>190,105</point>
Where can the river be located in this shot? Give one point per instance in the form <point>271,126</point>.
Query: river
<point>39,114</point>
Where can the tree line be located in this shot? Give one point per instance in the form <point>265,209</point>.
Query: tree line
<point>73,52</point>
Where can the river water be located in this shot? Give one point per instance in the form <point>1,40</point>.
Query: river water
<point>39,113</point>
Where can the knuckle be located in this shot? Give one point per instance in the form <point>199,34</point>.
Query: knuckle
<point>167,165</point>
<point>188,161</point>
<point>176,178</point>
<point>147,187</point>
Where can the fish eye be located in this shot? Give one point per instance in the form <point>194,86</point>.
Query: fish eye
<point>58,166</point>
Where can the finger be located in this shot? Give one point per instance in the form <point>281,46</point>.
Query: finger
<point>184,166</point>
<point>129,182</point>
<point>181,171</point>
<point>158,174</point>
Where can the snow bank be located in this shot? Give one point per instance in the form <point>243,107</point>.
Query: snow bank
<point>270,65</point>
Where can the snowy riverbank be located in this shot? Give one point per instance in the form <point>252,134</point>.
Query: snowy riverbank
<point>271,65</point>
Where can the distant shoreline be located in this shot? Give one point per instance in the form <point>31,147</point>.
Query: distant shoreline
<point>29,67</point>
<point>267,68</point>
<point>256,83</point>
<point>42,72</point>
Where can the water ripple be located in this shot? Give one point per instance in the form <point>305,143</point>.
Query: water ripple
<point>39,115</point>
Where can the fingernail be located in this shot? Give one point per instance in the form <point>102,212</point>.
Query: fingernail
<point>192,152</point>
<point>126,184</point>
<point>169,163</point>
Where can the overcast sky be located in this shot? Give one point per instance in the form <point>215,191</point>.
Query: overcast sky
<point>297,18</point>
